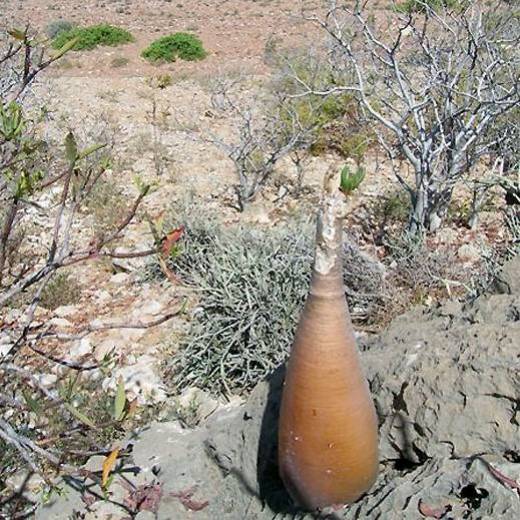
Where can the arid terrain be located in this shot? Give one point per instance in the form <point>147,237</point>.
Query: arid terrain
<point>126,316</point>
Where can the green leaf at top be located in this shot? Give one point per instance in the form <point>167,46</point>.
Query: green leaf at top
<point>120,400</point>
<point>350,180</point>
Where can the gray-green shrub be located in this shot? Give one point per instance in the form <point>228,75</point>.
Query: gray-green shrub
<point>252,284</point>
<point>56,27</point>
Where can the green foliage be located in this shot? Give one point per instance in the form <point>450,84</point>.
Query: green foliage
<point>411,6</point>
<point>396,207</point>
<point>63,289</point>
<point>354,145</point>
<point>179,45</point>
<point>11,121</point>
<point>23,149</point>
<point>93,36</point>
<point>350,181</point>
<point>57,27</point>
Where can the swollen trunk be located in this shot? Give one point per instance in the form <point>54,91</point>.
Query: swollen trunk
<point>328,427</point>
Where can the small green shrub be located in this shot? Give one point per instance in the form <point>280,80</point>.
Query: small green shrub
<point>58,27</point>
<point>61,290</point>
<point>179,45</point>
<point>396,207</point>
<point>93,36</point>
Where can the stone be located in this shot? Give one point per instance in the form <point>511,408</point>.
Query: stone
<point>80,348</point>
<point>147,309</point>
<point>47,380</point>
<point>61,323</point>
<point>141,380</point>
<point>6,344</point>
<point>120,279</point>
<point>454,396</point>
<point>30,484</point>
<point>469,253</point>
<point>66,311</point>
<point>196,401</point>
<point>508,281</point>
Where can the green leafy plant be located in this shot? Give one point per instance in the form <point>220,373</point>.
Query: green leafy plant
<point>11,121</point>
<point>350,180</point>
<point>181,45</point>
<point>93,36</point>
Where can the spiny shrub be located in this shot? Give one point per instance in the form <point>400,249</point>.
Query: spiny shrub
<point>179,45</point>
<point>93,36</point>
<point>252,285</point>
<point>57,27</point>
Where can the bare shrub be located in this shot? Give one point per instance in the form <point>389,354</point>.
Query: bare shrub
<point>48,417</point>
<point>433,83</point>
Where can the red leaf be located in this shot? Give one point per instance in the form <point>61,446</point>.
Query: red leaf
<point>144,498</point>
<point>430,512</point>
<point>185,499</point>
<point>170,239</point>
<point>507,481</point>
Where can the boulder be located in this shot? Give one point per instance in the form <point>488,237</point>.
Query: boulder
<point>446,387</point>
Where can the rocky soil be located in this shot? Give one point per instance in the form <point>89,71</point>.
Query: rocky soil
<point>445,382</point>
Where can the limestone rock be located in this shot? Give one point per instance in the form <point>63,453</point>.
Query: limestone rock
<point>445,382</point>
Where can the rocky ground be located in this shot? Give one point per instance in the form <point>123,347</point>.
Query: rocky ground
<point>443,378</point>
<point>445,382</point>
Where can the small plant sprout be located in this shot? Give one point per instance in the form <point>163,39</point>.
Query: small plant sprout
<point>350,181</point>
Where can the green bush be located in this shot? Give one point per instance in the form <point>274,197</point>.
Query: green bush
<point>57,27</point>
<point>93,36</point>
<point>179,45</point>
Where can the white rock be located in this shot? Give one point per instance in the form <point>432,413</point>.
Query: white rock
<point>104,348</point>
<point>61,323</point>
<point>195,397</point>
<point>5,344</point>
<point>150,308</point>
<point>140,379</point>
<point>120,278</point>
<point>66,311</point>
<point>46,379</point>
<point>80,348</point>
<point>102,296</point>
<point>469,253</point>
<point>30,485</point>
